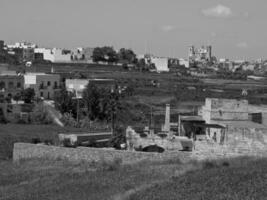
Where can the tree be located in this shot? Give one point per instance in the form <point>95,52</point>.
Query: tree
<point>17,97</point>
<point>105,54</point>
<point>64,102</point>
<point>98,54</point>
<point>127,55</point>
<point>113,106</point>
<point>110,54</point>
<point>91,97</point>
<point>142,64</point>
<point>28,95</point>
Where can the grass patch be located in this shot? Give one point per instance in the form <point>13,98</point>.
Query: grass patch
<point>241,178</point>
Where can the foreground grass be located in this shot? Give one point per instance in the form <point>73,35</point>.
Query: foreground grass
<point>244,178</point>
<point>37,179</point>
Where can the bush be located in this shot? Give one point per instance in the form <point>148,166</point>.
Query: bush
<point>225,164</point>
<point>113,165</point>
<point>68,120</point>
<point>209,164</point>
<point>40,115</point>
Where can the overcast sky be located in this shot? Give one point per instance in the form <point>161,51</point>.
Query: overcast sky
<point>237,29</point>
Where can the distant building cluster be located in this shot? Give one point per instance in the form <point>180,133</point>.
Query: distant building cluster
<point>27,52</point>
<point>200,61</point>
<point>200,54</point>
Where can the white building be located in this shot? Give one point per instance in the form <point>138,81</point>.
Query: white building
<point>161,64</point>
<point>54,55</point>
<point>184,62</point>
<point>22,45</point>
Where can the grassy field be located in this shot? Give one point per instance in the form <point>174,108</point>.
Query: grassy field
<point>238,179</point>
<point>243,178</point>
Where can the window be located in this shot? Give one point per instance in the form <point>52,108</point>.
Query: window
<point>41,94</point>
<point>41,85</point>
<point>48,83</point>
<point>55,85</point>
<point>48,95</point>
<point>71,86</point>
<point>2,85</point>
<point>18,85</point>
<point>10,85</point>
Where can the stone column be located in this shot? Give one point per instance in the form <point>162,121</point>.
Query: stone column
<point>167,119</point>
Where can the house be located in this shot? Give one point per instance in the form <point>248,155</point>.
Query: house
<point>161,64</point>
<point>10,85</point>
<point>184,62</point>
<point>238,122</point>
<point>44,85</point>
<point>22,45</point>
<point>54,55</point>
<point>77,54</point>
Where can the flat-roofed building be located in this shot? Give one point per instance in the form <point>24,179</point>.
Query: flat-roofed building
<point>44,85</point>
<point>10,85</point>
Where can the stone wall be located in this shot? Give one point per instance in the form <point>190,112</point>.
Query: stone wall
<point>246,140</point>
<point>27,151</point>
<point>239,142</point>
<point>225,109</point>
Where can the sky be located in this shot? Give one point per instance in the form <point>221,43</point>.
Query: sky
<point>236,29</point>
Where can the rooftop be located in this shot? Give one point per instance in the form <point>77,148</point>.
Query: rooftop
<point>241,124</point>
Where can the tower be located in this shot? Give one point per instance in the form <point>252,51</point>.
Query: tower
<point>209,49</point>
<point>1,45</point>
<point>191,51</point>
<point>167,119</point>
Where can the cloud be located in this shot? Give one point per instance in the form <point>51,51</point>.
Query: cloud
<point>219,11</point>
<point>242,45</point>
<point>167,28</point>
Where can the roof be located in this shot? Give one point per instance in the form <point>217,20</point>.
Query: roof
<point>191,118</point>
<point>209,125</point>
<point>242,124</point>
<point>88,134</point>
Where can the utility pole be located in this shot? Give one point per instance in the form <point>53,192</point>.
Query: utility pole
<point>78,107</point>
<point>151,117</point>
<point>179,125</point>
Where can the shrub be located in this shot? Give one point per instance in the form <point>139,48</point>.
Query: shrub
<point>40,115</point>
<point>36,140</point>
<point>113,165</point>
<point>68,120</point>
<point>225,164</point>
<point>209,164</point>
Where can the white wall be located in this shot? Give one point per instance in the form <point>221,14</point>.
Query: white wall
<point>53,55</point>
<point>161,64</point>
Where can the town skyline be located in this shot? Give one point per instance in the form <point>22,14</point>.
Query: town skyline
<point>228,26</point>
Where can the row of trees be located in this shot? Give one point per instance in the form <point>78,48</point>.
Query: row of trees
<point>108,54</point>
<point>97,103</point>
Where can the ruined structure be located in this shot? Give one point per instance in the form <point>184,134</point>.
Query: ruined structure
<point>228,123</point>
<point>167,140</point>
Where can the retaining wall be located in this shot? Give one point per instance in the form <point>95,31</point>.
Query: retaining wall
<point>27,151</point>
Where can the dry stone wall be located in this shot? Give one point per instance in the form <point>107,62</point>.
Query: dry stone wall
<point>27,151</point>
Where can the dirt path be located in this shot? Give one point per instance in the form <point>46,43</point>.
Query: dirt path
<point>126,195</point>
